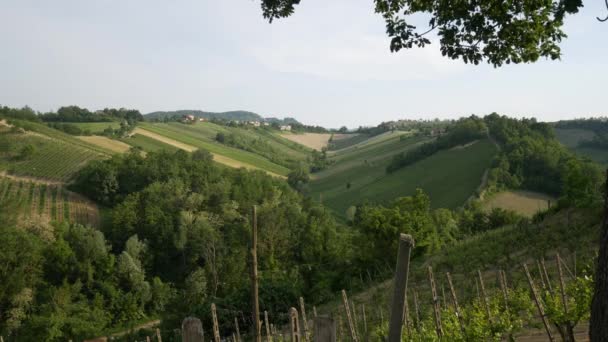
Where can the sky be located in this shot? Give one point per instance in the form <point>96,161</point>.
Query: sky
<point>328,64</point>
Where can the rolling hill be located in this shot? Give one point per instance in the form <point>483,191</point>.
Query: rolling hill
<point>572,138</point>
<point>359,173</point>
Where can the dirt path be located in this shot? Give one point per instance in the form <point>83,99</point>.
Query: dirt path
<point>30,179</point>
<point>164,139</point>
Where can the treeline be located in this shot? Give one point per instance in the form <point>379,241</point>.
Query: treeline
<point>462,132</point>
<point>532,158</point>
<point>73,114</point>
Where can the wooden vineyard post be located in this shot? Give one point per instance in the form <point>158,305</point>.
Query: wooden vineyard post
<point>549,286</point>
<point>147,338</point>
<point>436,311</point>
<point>233,337</point>
<point>562,285</point>
<point>238,331</point>
<point>351,326</point>
<point>503,287</point>
<point>540,274</point>
<point>268,335</point>
<point>416,309</point>
<point>562,289</point>
<point>304,321</point>
<point>314,311</point>
<point>406,316</point>
<point>192,330</point>
<point>216,329</point>
<point>257,333</point>
<point>485,298</point>
<point>340,331</point>
<point>324,329</point>
<point>355,319</point>
<point>294,325</point>
<point>539,306</point>
<point>455,301</point>
<point>364,321</point>
<point>406,243</point>
<point>158,337</point>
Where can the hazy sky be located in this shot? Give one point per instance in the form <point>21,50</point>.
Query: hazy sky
<point>328,64</point>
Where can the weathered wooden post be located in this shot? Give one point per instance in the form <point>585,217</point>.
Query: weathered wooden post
<point>268,334</point>
<point>294,325</point>
<point>406,243</point>
<point>304,321</point>
<point>192,330</point>
<point>436,310</point>
<point>314,311</point>
<point>562,285</point>
<point>216,329</point>
<point>351,326</point>
<point>147,338</point>
<point>354,312</point>
<point>158,337</point>
<point>364,321</point>
<point>484,297</point>
<point>325,329</point>
<point>238,331</point>
<point>549,286</point>
<point>540,274</point>
<point>539,306</point>
<point>406,315</point>
<point>416,309</point>
<point>455,301</point>
<point>503,287</point>
<point>340,331</point>
<point>257,333</point>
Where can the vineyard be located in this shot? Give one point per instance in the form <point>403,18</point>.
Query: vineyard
<point>48,158</point>
<point>23,201</point>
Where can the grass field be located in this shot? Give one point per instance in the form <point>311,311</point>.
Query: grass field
<point>24,201</point>
<point>106,143</point>
<point>95,127</point>
<point>199,137</point>
<point>370,183</point>
<point>52,159</point>
<point>526,203</point>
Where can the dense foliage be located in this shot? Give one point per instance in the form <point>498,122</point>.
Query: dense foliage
<point>195,216</point>
<point>462,132</point>
<point>531,158</point>
<point>73,114</point>
<point>497,32</point>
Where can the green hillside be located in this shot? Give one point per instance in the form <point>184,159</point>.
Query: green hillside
<point>147,144</point>
<point>253,147</point>
<point>572,138</point>
<point>44,152</point>
<point>360,176</point>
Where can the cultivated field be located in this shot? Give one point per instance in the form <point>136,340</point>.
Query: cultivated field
<point>148,144</point>
<point>96,127</point>
<point>51,159</point>
<point>24,200</point>
<point>195,136</point>
<point>357,177</point>
<point>106,143</point>
<point>526,203</point>
<point>163,139</point>
<point>315,141</point>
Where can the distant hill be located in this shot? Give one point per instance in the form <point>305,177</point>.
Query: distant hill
<point>237,115</point>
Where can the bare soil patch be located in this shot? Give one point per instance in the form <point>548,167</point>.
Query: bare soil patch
<point>107,143</point>
<point>315,141</point>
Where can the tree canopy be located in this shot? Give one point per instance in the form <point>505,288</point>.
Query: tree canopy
<point>497,32</point>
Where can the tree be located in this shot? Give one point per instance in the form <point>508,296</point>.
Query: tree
<point>598,327</point>
<point>498,32</point>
